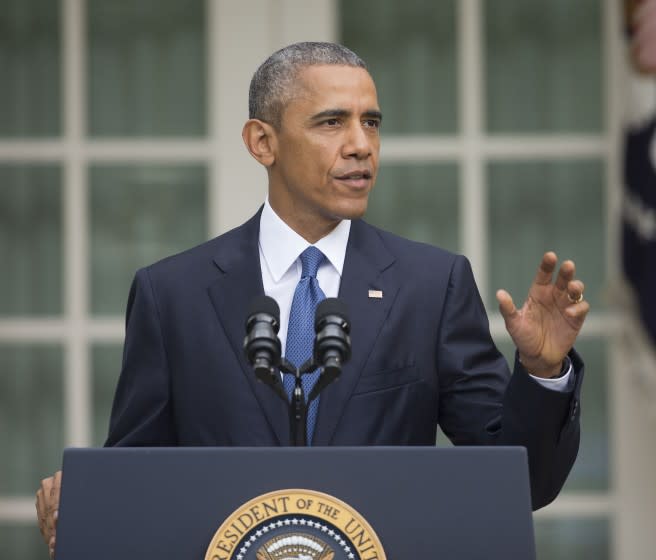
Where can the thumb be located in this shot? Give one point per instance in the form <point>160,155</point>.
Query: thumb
<point>506,305</point>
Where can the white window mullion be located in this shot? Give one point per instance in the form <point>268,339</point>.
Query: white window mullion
<point>612,49</point>
<point>578,504</point>
<point>214,86</point>
<point>473,199</point>
<point>239,182</point>
<point>435,148</point>
<point>614,53</point>
<point>77,375</point>
<point>18,510</point>
<point>293,17</point>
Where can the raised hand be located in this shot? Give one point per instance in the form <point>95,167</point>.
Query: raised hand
<point>545,327</point>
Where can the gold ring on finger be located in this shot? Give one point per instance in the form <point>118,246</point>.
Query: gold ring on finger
<point>579,299</point>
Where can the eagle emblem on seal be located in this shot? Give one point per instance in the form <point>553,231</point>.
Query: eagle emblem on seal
<point>295,546</point>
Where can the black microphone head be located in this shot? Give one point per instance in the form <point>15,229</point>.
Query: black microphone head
<point>331,306</point>
<point>264,304</point>
<point>261,344</point>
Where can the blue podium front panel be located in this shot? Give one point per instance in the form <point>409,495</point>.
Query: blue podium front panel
<point>168,503</point>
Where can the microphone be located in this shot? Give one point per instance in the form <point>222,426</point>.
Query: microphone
<point>261,344</point>
<point>332,345</point>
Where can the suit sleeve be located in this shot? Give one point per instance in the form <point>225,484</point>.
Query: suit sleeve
<point>482,404</point>
<point>142,411</point>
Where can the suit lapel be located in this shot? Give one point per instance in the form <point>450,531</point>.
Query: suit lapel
<point>368,266</point>
<point>237,257</point>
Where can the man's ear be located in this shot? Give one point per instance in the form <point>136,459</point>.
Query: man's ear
<point>260,139</point>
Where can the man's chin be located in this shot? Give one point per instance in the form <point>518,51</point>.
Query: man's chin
<point>352,211</point>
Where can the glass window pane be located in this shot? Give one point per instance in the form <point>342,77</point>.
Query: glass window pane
<point>106,369</point>
<point>543,65</point>
<point>417,201</point>
<point>22,542</point>
<point>591,469</point>
<point>410,50</point>
<point>30,96</point>
<point>146,68</point>
<point>539,206</point>
<point>506,347</point>
<point>140,214</point>
<point>31,416</point>
<point>30,240</point>
<point>572,539</point>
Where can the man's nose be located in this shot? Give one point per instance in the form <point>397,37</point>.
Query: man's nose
<point>357,143</point>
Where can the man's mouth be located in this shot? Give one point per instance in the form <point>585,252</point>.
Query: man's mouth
<point>355,176</point>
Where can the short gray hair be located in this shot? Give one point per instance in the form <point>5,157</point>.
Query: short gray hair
<point>273,82</point>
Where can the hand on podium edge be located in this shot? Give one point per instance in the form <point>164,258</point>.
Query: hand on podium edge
<point>47,509</point>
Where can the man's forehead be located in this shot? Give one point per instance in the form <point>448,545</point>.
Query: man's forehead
<point>325,84</point>
<point>334,73</point>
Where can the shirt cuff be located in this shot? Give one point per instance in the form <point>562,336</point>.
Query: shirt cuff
<point>561,383</point>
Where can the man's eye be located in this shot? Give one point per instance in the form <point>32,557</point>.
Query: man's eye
<point>331,122</point>
<point>372,123</point>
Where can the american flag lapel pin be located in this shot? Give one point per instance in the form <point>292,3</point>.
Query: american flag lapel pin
<point>376,294</point>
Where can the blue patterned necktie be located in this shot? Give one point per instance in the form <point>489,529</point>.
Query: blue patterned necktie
<point>300,332</point>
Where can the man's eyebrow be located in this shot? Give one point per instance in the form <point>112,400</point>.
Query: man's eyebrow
<point>373,114</point>
<point>330,113</point>
<point>341,113</point>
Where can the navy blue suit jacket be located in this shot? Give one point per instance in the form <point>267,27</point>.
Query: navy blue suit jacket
<point>422,355</point>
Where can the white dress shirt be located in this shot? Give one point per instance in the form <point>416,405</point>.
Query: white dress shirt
<point>280,249</point>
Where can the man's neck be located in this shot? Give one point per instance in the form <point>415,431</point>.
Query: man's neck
<point>308,227</point>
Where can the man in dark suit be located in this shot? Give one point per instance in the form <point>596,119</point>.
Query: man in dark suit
<point>422,352</point>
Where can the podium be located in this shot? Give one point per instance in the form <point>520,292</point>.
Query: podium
<point>169,503</point>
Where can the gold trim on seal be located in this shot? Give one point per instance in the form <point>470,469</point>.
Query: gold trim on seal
<point>287,503</point>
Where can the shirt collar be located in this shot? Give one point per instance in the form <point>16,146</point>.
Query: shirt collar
<point>281,245</point>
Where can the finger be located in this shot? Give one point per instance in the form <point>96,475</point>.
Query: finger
<point>55,490</point>
<point>43,506</point>
<point>51,547</point>
<point>578,311</point>
<point>40,513</point>
<point>506,306</point>
<point>57,482</point>
<point>575,289</point>
<point>546,268</point>
<point>565,275</point>
<point>53,503</point>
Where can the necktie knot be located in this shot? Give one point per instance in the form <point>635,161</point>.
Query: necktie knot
<point>311,258</point>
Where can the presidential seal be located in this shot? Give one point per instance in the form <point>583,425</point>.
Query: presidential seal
<point>295,525</point>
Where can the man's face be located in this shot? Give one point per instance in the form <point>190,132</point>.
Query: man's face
<point>326,151</point>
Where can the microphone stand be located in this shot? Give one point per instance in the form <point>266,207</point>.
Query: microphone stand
<point>262,350</point>
<point>298,406</point>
